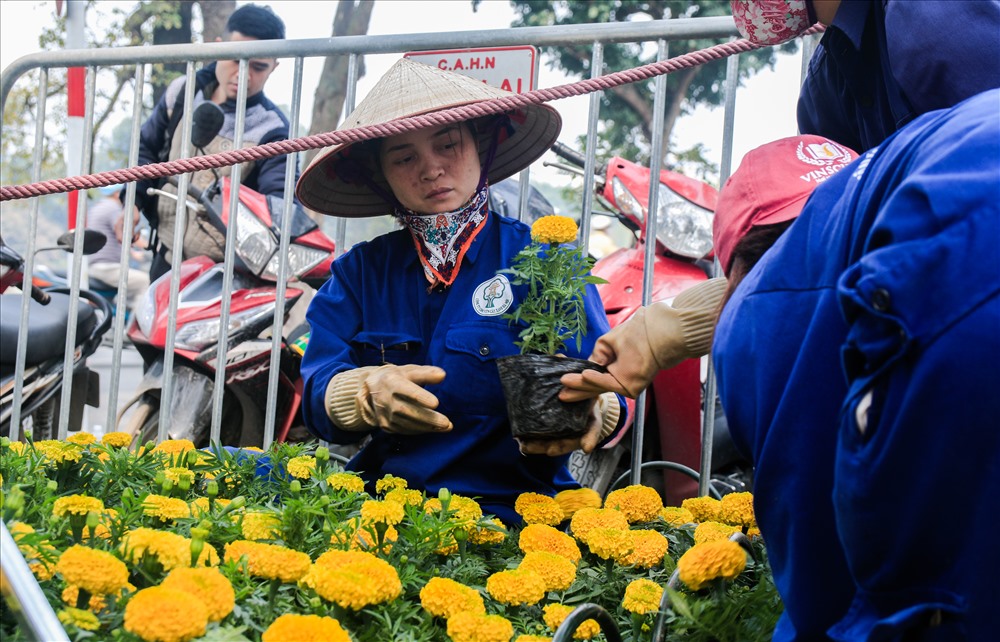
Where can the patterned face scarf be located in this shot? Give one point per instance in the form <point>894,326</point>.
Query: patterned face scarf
<point>442,239</point>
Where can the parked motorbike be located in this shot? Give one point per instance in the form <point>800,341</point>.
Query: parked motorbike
<point>253,304</point>
<point>45,335</point>
<point>685,211</point>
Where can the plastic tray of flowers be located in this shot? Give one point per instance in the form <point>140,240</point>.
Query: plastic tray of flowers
<point>170,543</point>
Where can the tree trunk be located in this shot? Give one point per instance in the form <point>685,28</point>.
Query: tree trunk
<point>214,14</point>
<point>167,34</point>
<point>351,19</point>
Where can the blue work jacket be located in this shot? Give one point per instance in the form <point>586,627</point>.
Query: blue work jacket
<point>376,308</point>
<point>881,64</point>
<point>859,367</point>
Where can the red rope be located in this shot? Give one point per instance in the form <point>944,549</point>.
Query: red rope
<point>455,114</point>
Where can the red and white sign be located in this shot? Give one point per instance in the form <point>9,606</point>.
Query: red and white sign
<point>509,68</point>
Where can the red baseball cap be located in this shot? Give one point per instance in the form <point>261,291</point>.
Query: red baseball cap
<point>772,185</point>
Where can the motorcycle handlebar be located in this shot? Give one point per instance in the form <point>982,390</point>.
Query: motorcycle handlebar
<point>40,295</point>
<point>569,154</point>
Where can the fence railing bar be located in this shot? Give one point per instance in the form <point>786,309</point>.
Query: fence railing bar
<point>590,153</point>
<point>339,222</point>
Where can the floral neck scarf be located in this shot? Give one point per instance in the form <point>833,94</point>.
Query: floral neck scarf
<point>442,239</point>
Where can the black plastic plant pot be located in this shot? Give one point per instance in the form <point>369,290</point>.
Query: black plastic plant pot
<point>531,386</point>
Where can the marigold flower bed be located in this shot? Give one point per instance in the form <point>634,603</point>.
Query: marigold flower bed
<point>171,544</point>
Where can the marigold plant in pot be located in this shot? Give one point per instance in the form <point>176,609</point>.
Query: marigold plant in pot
<point>552,312</point>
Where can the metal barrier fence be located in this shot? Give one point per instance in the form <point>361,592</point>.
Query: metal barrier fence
<point>595,36</point>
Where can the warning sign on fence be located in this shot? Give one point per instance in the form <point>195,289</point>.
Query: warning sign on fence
<point>509,68</point>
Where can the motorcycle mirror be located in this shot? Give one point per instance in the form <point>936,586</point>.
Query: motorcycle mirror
<point>206,122</point>
<point>92,241</point>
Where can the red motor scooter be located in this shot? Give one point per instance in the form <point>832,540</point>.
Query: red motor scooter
<point>253,304</point>
<point>682,259</point>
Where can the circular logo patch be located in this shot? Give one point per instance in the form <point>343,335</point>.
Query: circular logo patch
<point>492,297</point>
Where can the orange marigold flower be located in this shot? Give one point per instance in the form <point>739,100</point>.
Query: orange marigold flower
<point>210,586</point>
<point>536,508</point>
<point>71,594</point>
<point>713,531</point>
<point>676,516</point>
<point>305,628</point>
<point>704,509</point>
<point>384,512</point>
<point>648,549</point>
<point>574,499</point>
<point>737,509</point>
<point>258,525</point>
<point>516,587</point>
<point>170,549</point>
<point>444,597</point>
<point>539,537</point>
<point>703,563</point>
<point>638,503</point>
<point>642,596</point>
<point>269,561</point>
<point>610,543</point>
<point>350,482</point>
<point>79,618</point>
<point>475,627</point>
<point>76,505</point>
<point>92,570</point>
<point>353,579</point>
<point>753,531</point>
<point>165,508</point>
<point>587,519</point>
<point>554,229</point>
<point>160,614</point>
<point>390,482</point>
<point>174,446</point>
<point>556,571</point>
<point>82,439</point>
<point>482,535</point>
<point>555,614</point>
<point>117,439</point>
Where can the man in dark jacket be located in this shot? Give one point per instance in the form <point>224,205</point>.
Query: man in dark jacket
<point>264,123</point>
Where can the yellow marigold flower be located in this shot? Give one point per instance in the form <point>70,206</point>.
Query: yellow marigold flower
<point>199,507</point>
<point>610,543</point>
<point>554,614</point>
<point>704,509</point>
<point>59,451</point>
<point>92,570</point>
<point>71,594</point>
<point>170,549</point>
<point>587,519</point>
<point>533,638</point>
<point>539,537</point>
<point>642,596</point>
<point>464,510</point>
<point>259,525</point>
<point>737,509</point>
<point>648,549</point>
<point>176,473</point>
<point>41,560</point>
<point>117,439</point>
<point>346,481</point>
<point>165,508</point>
<point>536,508</point>
<point>486,536</point>
<point>160,614</point>
<point>713,531</point>
<point>73,617</point>
<point>753,531</point>
<point>516,587</point>
<point>405,496</point>
<point>476,627</point>
<point>174,446</point>
<point>292,627</point>
<point>554,229</point>
<point>269,561</point>
<point>574,499</point>
<point>210,586</point>
<point>82,439</point>
<point>353,579</point>
<point>557,572</point>
<point>444,597</point>
<point>76,505</point>
<point>384,512</point>
<point>17,447</point>
<point>301,467</point>
<point>676,516</point>
<point>703,563</point>
<point>390,482</point>
<point>638,503</point>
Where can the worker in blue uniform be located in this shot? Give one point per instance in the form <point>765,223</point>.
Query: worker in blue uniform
<point>406,332</point>
<point>878,314</point>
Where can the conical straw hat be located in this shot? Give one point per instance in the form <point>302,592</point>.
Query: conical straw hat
<point>409,89</point>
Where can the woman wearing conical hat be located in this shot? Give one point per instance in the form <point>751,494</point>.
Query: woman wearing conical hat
<point>406,331</point>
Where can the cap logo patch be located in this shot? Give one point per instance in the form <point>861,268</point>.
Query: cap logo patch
<point>828,157</point>
<point>492,297</point>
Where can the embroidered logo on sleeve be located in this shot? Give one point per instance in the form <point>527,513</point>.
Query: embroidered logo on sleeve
<point>492,297</point>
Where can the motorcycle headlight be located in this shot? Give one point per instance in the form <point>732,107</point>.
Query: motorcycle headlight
<point>626,202</point>
<point>145,310</point>
<point>198,335</point>
<point>254,241</point>
<point>683,227</point>
<point>301,259</point>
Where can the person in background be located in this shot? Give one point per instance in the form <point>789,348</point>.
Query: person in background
<point>881,63</point>
<point>264,123</point>
<point>406,332</point>
<point>108,217</point>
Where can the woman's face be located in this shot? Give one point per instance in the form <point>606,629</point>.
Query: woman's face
<point>432,170</point>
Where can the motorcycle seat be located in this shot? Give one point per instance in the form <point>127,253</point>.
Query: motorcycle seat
<point>46,331</point>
